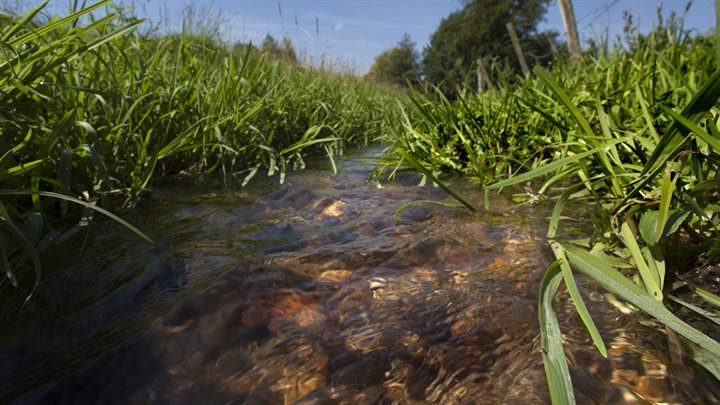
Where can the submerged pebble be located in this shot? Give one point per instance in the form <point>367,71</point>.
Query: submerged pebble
<point>317,296</point>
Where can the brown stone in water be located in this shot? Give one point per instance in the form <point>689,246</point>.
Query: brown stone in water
<point>295,306</point>
<point>360,374</point>
<point>215,292</point>
<point>310,384</point>
<point>654,388</point>
<point>334,210</point>
<point>257,314</point>
<point>462,326</point>
<point>329,208</point>
<point>370,225</point>
<point>625,377</point>
<point>213,331</point>
<point>282,326</point>
<point>335,276</point>
<point>288,305</point>
<point>183,312</point>
<point>501,263</point>
<point>297,302</point>
<point>232,361</point>
<point>324,203</point>
<point>300,198</point>
<point>308,317</point>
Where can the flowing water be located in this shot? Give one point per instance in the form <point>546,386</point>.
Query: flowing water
<point>314,293</point>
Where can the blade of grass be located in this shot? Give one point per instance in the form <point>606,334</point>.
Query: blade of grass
<point>559,252</point>
<point>19,169</point>
<point>419,167</point>
<point>707,314</point>
<point>672,141</point>
<point>650,279</point>
<point>554,361</point>
<point>93,207</point>
<point>619,285</point>
<point>546,78</point>
<point>28,248</point>
<point>691,126</point>
<point>667,188</point>
<point>708,296</point>
<point>550,167</point>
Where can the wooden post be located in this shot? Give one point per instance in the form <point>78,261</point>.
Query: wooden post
<point>518,51</point>
<point>568,16</point>
<point>553,48</point>
<point>482,76</point>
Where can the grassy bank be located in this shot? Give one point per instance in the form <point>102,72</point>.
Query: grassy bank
<point>635,133</point>
<point>91,111</point>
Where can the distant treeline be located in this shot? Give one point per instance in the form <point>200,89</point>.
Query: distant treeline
<point>477,32</point>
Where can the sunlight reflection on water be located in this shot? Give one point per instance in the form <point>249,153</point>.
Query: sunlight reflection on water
<point>311,293</point>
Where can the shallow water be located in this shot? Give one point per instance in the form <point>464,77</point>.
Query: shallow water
<point>312,293</point>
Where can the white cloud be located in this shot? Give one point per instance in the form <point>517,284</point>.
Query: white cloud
<point>338,26</point>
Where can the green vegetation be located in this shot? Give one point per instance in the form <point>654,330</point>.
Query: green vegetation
<point>635,133</point>
<point>93,111</point>
<point>279,51</point>
<point>475,34</point>
<point>397,66</point>
<point>478,31</point>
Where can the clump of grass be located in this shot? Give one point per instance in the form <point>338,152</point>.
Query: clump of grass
<point>637,133</point>
<point>92,110</point>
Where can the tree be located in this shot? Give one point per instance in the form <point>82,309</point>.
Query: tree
<point>397,66</point>
<point>279,51</point>
<point>478,31</point>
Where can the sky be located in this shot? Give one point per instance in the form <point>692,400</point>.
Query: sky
<point>349,34</point>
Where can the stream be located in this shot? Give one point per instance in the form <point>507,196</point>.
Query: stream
<point>313,292</point>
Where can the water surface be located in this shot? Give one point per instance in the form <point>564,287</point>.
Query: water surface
<point>312,292</point>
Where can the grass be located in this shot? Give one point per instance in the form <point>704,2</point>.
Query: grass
<point>91,112</point>
<point>635,132</point>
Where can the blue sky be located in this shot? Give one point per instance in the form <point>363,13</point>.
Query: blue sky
<point>351,33</point>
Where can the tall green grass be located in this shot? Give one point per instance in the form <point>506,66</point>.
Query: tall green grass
<point>636,133</point>
<point>91,112</point>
